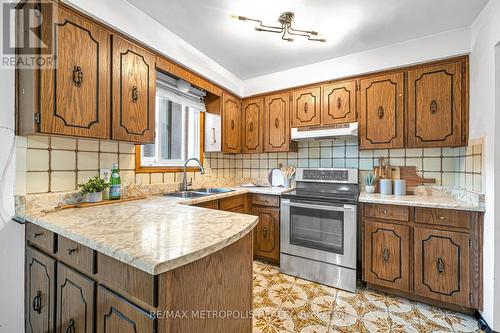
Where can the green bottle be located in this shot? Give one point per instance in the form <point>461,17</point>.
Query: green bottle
<point>115,183</point>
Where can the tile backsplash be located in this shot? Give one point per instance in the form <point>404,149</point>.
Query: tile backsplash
<point>56,164</point>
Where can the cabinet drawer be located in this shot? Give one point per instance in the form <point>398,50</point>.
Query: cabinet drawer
<point>126,279</point>
<point>232,202</point>
<point>115,314</point>
<point>40,237</point>
<point>454,218</point>
<point>76,255</point>
<point>265,200</point>
<point>214,204</point>
<point>387,212</point>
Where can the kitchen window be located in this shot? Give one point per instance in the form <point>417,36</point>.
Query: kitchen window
<point>178,126</point>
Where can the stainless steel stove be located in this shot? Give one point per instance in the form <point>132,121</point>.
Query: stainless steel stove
<point>319,227</point>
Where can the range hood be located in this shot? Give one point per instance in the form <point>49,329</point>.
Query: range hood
<point>335,131</point>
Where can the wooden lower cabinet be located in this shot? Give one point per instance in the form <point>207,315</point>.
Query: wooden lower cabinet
<point>267,233</point>
<point>115,314</point>
<point>40,292</point>
<point>75,301</point>
<point>422,259</point>
<point>387,255</point>
<point>442,265</point>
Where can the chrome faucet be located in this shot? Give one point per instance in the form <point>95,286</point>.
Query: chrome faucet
<point>185,184</point>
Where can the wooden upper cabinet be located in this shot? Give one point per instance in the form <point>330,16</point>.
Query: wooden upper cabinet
<point>306,107</point>
<point>251,125</point>
<point>442,265</point>
<point>381,123</point>
<point>339,103</point>
<point>276,123</point>
<point>134,86</point>
<point>231,124</point>
<point>436,104</point>
<point>74,96</point>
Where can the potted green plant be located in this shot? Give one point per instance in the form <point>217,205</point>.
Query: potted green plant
<point>370,183</point>
<point>92,189</point>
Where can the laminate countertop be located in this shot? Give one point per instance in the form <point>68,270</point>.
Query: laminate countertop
<point>419,200</point>
<point>156,234</point>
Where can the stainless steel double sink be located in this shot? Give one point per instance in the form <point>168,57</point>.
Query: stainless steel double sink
<point>197,193</point>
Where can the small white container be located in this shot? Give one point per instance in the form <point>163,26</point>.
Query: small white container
<point>386,186</point>
<point>370,189</point>
<point>93,197</point>
<point>400,187</point>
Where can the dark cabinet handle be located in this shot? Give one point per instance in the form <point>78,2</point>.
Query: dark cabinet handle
<point>37,302</point>
<point>440,265</point>
<point>71,251</point>
<point>71,327</point>
<point>380,112</point>
<point>339,102</point>
<point>434,106</point>
<point>135,94</point>
<point>265,232</point>
<point>276,123</point>
<point>77,76</point>
<point>37,234</point>
<point>232,124</point>
<point>385,254</point>
<point>305,107</point>
<point>251,127</point>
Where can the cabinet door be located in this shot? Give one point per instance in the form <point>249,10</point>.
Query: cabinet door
<point>231,118</point>
<point>276,123</point>
<point>253,112</point>
<point>75,98</point>
<point>40,292</point>
<point>267,233</point>
<point>339,103</point>
<point>435,106</point>
<point>386,255</point>
<point>75,301</point>
<point>442,265</point>
<point>115,314</point>
<point>306,107</point>
<point>134,89</point>
<point>381,112</point>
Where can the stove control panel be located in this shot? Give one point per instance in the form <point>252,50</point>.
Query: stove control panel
<point>327,175</point>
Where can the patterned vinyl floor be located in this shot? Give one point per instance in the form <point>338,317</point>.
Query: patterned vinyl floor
<point>283,303</point>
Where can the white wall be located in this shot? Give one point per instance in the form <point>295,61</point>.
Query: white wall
<point>446,44</point>
<point>484,121</point>
<point>128,19</point>
<point>11,234</point>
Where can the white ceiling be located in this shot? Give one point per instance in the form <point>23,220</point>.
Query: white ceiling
<point>350,26</point>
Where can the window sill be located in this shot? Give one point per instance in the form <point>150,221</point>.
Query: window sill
<point>160,169</point>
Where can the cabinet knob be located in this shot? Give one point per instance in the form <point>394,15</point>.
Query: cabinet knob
<point>339,102</point>
<point>71,326</point>
<point>264,230</point>
<point>380,112</point>
<point>433,107</point>
<point>305,107</point>
<point>385,254</point>
<point>232,124</point>
<point>276,123</point>
<point>77,76</point>
<point>37,234</point>
<point>440,265</point>
<point>250,127</point>
<point>441,217</point>
<point>71,251</point>
<point>37,302</point>
<point>135,94</point>
<point>385,212</point>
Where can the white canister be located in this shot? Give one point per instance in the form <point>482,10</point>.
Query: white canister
<point>400,187</point>
<point>386,186</point>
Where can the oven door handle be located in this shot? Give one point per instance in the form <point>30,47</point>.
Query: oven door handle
<point>336,209</point>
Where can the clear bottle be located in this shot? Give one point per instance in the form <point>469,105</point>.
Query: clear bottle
<point>115,183</point>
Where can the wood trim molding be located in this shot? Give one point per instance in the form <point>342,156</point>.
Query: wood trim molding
<point>165,169</point>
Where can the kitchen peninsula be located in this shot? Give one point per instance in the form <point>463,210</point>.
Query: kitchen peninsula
<point>155,265</point>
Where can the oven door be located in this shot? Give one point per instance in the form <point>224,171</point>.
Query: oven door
<point>320,231</point>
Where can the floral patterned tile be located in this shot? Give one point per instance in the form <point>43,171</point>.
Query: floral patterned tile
<point>285,304</point>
